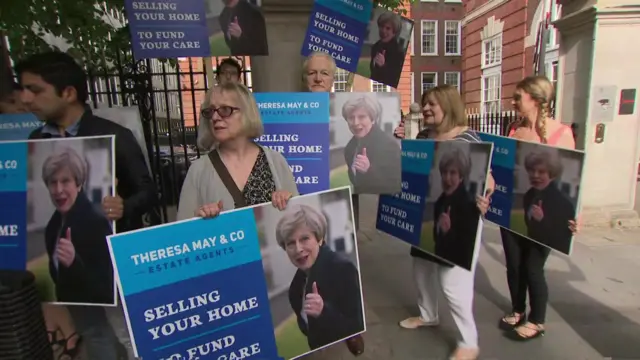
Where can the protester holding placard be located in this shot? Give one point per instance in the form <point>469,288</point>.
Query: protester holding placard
<point>445,119</point>
<point>55,90</point>
<point>387,57</point>
<point>525,259</point>
<point>325,290</point>
<point>318,74</point>
<point>237,172</point>
<point>244,29</point>
<point>372,156</point>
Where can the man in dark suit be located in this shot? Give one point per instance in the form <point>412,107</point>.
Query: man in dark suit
<point>55,90</point>
<point>244,29</point>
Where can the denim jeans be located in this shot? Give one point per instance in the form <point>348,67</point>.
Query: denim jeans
<point>98,337</point>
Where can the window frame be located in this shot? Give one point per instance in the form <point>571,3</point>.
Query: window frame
<point>435,80</point>
<point>435,37</point>
<point>458,41</point>
<point>498,62</point>
<point>459,79</point>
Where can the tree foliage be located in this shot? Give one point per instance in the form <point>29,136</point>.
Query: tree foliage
<point>81,27</point>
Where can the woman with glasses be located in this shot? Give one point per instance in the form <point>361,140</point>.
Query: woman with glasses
<point>237,172</point>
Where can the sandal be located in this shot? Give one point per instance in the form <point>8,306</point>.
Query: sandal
<point>511,321</point>
<point>538,331</point>
<point>54,340</point>
<point>70,353</point>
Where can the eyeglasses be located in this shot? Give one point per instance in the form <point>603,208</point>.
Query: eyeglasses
<point>223,111</point>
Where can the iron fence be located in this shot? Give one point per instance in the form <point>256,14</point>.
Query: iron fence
<point>168,96</point>
<point>496,123</point>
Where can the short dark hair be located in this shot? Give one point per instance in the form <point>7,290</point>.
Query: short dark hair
<point>58,69</point>
<point>229,62</point>
<point>12,88</point>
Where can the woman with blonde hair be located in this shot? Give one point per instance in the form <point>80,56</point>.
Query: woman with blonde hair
<point>445,119</point>
<point>525,259</point>
<point>236,172</point>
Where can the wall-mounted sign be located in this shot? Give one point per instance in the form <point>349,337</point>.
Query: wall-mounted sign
<point>627,101</point>
<point>603,103</point>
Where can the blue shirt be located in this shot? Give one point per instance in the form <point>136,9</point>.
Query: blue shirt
<point>55,132</point>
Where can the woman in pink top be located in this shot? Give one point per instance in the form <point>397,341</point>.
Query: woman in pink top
<point>525,259</point>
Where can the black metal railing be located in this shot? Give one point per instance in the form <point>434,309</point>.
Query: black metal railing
<point>497,123</point>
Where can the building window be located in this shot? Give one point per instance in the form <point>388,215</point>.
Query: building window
<point>492,51</point>
<point>452,30</point>
<point>429,80</point>
<point>552,39</point>
<point>413,41</point>
<point>379,87</point>
<point>429,37</point>
<point>453,79</point>
<point>340,80</point>
<point>491,93</point>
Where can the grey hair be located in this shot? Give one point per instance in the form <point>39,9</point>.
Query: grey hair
<point>299,215</point>
<point>549,158</point>
<point>66,158</point>
<point>369,103</point>
<point>456,158</point>
<point>251,120</point>
<point>305,64</point>
<point>393,18</point>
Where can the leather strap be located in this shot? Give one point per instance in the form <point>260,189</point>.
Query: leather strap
<point>227,180</point>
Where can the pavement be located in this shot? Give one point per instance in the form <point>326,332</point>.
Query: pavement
<point>593,314</point>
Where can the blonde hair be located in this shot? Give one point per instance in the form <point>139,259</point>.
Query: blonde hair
<point>300,215</point>
<point>368,103</point>
<point>251,120</point>
<point>449,99</point>
<point>541,91</point>
<point>66,158</point>
<point>392,18</point>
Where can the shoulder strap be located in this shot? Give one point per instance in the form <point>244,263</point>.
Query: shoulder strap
<point>227,180</point>
<point>553,139</point>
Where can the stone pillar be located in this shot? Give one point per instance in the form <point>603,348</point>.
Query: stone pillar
<point>598,60</point>
<point>281,71</point>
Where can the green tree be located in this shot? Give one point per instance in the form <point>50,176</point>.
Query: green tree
<point>81,24</point>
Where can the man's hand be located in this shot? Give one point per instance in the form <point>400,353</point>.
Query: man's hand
<point>113,206</point>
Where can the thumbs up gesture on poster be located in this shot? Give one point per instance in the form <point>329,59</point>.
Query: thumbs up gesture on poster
<point>536,211</point>
<point>379,59</point>
<point>66,252</point>
<point>361,163</point>
<point>234,28</point>
<point>444,221</point>
<point>313,303</point>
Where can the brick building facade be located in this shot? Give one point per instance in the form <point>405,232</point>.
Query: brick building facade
<point>437,45</point>
<point>499,41</point>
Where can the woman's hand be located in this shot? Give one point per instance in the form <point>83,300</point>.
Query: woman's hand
<point>444,221</point>
<point>536,211</point>
<point>280,198</point>
<point>313,303</point>
<point>482,202</point>
<point>574,225</point>
<point>209,210</point>
<point>399,131</point>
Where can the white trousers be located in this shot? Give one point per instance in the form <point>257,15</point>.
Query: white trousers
<point>457,285</point>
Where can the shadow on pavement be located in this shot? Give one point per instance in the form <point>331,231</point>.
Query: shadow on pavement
<point>608,331</point>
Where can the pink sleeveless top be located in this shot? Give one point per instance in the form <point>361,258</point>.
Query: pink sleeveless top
<point>554,138</point>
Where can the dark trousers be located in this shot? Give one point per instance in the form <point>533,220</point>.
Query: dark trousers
<point>525,272</point>
<point>99,339</point>
<point>355,200</point>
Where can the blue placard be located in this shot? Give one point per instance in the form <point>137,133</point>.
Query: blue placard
<point>338,27</point>
<point>196,284</point>
<point>297,126</point>
<point>168,28</point>
<point>13,205</point>
<point>502,169</point>
<point>17,126</point>
<point>417,214</point>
